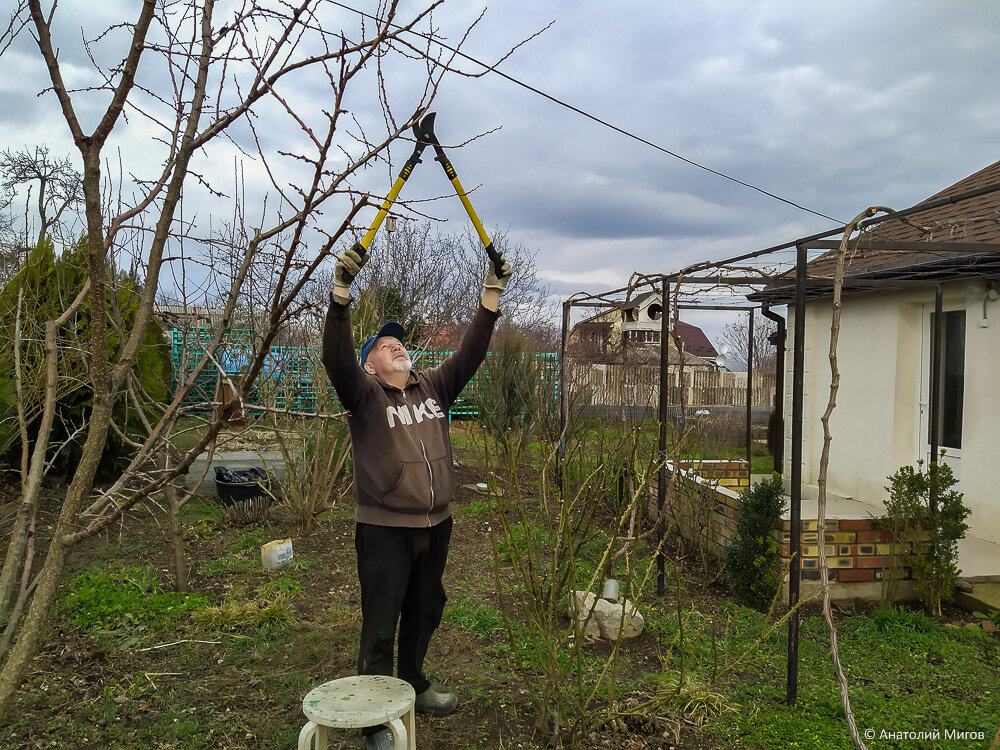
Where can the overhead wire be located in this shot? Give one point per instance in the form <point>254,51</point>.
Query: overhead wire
<point>493,69</point>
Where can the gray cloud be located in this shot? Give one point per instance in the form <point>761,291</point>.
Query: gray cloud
<point>836,106</point>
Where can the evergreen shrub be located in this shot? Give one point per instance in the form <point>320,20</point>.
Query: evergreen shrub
<point>753,561</point>
<point>42,288</point>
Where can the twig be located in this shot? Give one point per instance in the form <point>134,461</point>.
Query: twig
<point>177,643</point>
<point>151,675</point>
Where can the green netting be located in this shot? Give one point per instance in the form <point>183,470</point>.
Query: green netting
<point>293,377</point>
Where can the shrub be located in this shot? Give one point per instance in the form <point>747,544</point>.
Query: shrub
<point>926,516</point>
<point>318,465</point>
<point>510,404</point>
<point>753,563</point>
<point>42,288</point>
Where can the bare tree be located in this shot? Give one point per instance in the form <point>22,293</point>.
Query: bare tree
<point>12,244</point>
<point>430,281</point>
<point>735,335</point>
<point>58,187</point>
<point>203,84</point>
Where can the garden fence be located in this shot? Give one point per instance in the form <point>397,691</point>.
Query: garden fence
<point>293,378</point>
<point>639,385</point>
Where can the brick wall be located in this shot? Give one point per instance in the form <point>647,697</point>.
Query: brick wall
<point>855,550</point>
<point>733,474</point>
<point>706,504</point>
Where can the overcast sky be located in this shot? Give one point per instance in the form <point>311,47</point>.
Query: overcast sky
<point>835,106</point>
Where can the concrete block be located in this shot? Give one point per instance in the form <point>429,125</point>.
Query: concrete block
<point>840,537</point>
<point>982,598</point>
<point>870,591</point>
<point>235,460</point>
<point>874,536</point>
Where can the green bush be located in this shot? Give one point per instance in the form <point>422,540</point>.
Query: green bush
<point>129,598</point>
<point>510,403</point>
<point>753,562</point>
<point>926,516</point>
<point>42,288</point>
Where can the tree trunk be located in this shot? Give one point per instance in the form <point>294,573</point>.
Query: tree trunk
<point>16,666</point>
<point>177,538</point>
<point>26,589</point>
<point>26,646</point>
<point>19,536</point>
<point>15,555</point>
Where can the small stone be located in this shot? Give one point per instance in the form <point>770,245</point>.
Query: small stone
<point>962,585</point>
<point>971,626</point>
<point>989,626</point>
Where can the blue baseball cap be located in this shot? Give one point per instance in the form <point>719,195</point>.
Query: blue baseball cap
<point>392,328</point>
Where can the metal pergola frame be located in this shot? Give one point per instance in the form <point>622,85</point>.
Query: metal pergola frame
<point>664,281</point>
<point>796,293</point>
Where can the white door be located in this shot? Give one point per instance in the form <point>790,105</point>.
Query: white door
<point>951,388</point>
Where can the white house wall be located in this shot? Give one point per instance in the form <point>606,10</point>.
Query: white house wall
<point>876,423</point>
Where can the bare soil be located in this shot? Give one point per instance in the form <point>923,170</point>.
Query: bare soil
<point>132,688</point>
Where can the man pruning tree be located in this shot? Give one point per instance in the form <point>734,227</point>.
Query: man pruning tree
<point>403,478</point>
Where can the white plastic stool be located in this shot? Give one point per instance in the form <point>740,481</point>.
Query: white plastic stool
<point>358,702</point>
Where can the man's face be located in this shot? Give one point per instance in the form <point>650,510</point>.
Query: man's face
<point>387,356</point>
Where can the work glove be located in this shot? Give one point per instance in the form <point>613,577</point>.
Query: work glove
<point>349,264</point>
<point>492,281</point>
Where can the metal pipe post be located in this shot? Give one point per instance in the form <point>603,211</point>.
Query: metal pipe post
<point>661,481</point>
<point>563,399</point>
<point>750,395</point>
<point>798,380</point>
<point>779,387</point>
<point>935,386</point>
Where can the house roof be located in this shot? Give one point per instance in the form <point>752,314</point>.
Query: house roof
<point>191,316</point>
<point>649,354</point>
<point>695,340</point>
<point>891,254</point>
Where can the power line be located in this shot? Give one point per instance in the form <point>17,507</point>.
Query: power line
<point>595,118</point>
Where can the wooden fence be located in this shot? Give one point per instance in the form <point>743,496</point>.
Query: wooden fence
<point>639,385</point>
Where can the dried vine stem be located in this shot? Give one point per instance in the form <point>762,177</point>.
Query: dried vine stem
<point>824,463</point>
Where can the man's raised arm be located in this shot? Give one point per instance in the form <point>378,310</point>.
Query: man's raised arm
<point>458,369</point>
<point>338,341</point>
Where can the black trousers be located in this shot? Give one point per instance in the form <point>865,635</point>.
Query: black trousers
<point>400,573</point>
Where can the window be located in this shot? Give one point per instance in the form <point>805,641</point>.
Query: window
<point>951,388</point>
<point>642,337</point>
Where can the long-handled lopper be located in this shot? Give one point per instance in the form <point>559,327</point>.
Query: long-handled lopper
<point>361,248</point>
<point>424,130</point>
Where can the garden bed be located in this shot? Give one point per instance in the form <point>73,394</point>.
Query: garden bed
<point>127,671</point>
